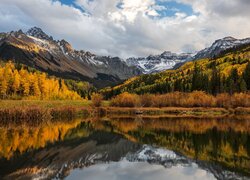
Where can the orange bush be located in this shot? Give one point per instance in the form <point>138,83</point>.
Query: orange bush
<point>199,99</point>
<point>241,100</point>
<point>178,99</point>
<point>96,100</point>
<point>168,100</point>
<point>223,100</point>
<point>146,100</point>
<point>126,100</point>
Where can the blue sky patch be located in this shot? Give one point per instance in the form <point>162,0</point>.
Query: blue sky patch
<point>171,7</point>
<point>67,2</point>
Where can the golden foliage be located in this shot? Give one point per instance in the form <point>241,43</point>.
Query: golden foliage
<point>240,99</point>
<point>96,99</point>
<point>19,139</point>
<point>31,85</point>
<point>126,100</point>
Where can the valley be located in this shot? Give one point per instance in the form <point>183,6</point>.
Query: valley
<point>67,96</point>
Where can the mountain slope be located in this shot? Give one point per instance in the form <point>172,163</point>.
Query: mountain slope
<point>38,50</point>
<point>221,45</point>
<point>222,74</point>
<point>157,63</point>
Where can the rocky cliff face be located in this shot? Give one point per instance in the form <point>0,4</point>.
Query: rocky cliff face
<point>38,50</point>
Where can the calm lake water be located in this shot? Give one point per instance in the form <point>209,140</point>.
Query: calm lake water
<point>134,148</point>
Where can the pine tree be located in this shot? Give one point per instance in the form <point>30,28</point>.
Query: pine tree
<point>243,86</point>
<point>246,75</point>
<point>196,79</point>
<point>233,81</point>
<point>215,82</point>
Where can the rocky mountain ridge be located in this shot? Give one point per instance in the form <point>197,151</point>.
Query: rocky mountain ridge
<point>221,45</point>
<point>38,50</point>
<point>157,63</point>
<point>57,57</point>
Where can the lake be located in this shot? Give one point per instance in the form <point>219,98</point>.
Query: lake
<point>128,147</point>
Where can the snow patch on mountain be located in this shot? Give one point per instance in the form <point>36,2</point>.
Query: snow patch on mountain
<point>221,45</point>
<point>157,63</point>
<point>38,33</point>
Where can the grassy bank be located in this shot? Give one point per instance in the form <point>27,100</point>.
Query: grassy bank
<point>6,104</point>
<point>43,103</point>
<point>35,112</point>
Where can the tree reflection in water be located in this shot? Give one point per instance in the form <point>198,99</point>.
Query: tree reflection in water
<point>218,141</point>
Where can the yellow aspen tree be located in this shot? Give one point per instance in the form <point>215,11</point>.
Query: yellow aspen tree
<point>56,88</point>
<point>43,86</point>
<point>26,88</point>
<point>26,84</point>
<point>64,90</point>
<point>3,88</point>
<point>34,87</point>
<point>16,82</point>
<point>37,92</point>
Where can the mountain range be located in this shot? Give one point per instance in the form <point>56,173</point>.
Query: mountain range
<point>38,50</point>
<point>157,63</point>
<point>221,45</point>
<point>57,57</point>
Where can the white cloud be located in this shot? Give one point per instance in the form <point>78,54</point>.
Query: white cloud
<point>134,28</point>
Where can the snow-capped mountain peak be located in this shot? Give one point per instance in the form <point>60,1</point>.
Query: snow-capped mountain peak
<point>38,33</point>
<point>228,38</point>
<point>157,63</point>
<point>221,45</point>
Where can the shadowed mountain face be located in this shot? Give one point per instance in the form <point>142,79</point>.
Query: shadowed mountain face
<point>38,50</point>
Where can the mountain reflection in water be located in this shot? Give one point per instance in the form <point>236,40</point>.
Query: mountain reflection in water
<point>128,148</point>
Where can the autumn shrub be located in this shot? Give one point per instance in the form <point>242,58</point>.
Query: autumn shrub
<point>158,101</point>
<point>126,100</point>
<point>223,100</point>
<point>179,99</point>
<point>167,100</point>
<point>31,116</point>
<point>174,99</point>
<point>147,100</point>
<point>240,100</point>
<point>96,100</point>
<point>198,99</point>
<point>64,113</point>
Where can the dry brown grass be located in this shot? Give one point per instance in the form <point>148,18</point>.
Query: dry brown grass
<point>36,115</point>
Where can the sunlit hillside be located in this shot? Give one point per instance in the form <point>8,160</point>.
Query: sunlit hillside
<point>18,82</point>
<point>224,73</point>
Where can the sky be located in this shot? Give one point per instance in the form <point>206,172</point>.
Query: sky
<point>127,28</point>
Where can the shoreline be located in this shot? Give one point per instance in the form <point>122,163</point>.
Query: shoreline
<point>199,111</point>
<point>36,112</point>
